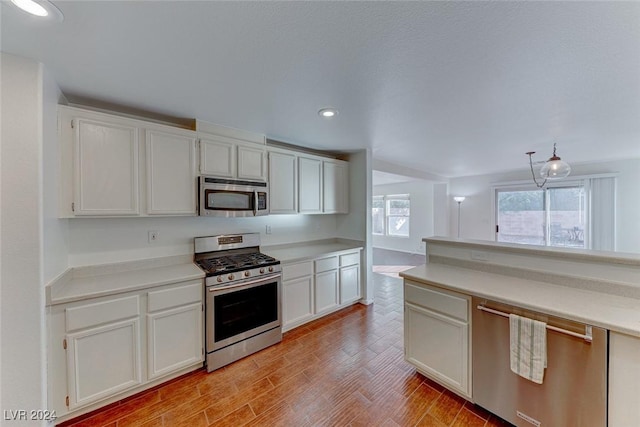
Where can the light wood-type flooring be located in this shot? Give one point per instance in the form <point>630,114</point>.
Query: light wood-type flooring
<point>346,369</point>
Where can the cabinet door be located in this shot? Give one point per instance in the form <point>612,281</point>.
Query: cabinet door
<point>297,301</point>
<point>326,291</point>
<point>174,339</point>
<point>171,173</point>
<point>103,361</point>
<point>217,157</point>
<point>349,284</point>
<point>309,185</point>
<point>251,163</point>
<point>282,184</point>
<point>335,187</point>
<point>105,168</point>
<point>438,346</point>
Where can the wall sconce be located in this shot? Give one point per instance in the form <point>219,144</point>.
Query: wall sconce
<point>459,200</point>
<point>555,168</point>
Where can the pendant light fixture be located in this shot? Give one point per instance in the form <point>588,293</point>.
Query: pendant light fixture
<point>554,169</point>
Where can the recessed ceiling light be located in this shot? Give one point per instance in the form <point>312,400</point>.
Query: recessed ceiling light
<point>41,8</point>
<point>328,113</point>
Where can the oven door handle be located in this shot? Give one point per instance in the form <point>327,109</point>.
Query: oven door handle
<point>239,285</point>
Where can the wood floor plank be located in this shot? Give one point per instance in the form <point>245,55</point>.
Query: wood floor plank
<point>119,411</point>
<point>152,411</point>
<point>416,406</point>
<point>447,407</point>
<point>271,398</point>
<point>466,418</point>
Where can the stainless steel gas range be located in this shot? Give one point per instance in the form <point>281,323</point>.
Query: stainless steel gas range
<point>243,304</point>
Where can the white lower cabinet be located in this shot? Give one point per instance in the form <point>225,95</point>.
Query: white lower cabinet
<point>433,316</point>
<point>297,293</point>
<point>101,349</point>
<point>312,289</point>
<point>174,330</point>
<point>103,361</point>
<point>298,302</point>
<point>326,291</point>
<point>624,380</point>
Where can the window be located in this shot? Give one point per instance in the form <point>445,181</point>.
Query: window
<point>378,215</point>
<point>554,216</point>
<point>391,215</point>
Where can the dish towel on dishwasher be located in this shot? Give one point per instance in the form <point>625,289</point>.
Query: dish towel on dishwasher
<point>528,347</point>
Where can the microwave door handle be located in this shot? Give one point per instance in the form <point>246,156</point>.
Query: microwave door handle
<point>255,203</point>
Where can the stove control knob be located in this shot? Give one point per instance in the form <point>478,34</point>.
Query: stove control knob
<point>219,279</point>
<point>246,274</point>
<point>230,277</point>
<point>262,271</point>
<point>270,269</point>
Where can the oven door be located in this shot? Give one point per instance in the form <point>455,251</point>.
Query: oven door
<point>241,310</point>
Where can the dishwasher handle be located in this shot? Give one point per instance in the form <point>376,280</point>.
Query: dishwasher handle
<point>587,336</point>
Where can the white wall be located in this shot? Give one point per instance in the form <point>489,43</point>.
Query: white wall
<point>440,209</point>
<point>100,241</point>
<point>421,223</point>
<point>55,231</point>
<point>23,360</point>
<point>476,210</point>
<point>356,225</point>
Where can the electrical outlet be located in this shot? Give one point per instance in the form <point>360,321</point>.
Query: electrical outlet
<point>153,236</point>
<point>480,255</point>
<point>267,229</point>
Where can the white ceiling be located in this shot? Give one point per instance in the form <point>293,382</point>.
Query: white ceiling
<point>451,88</point>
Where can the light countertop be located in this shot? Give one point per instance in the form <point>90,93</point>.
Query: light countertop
<point>90,282</point>
<point>309,250</point>
<point>613,312</point>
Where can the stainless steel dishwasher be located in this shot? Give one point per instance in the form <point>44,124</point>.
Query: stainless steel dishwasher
<point>574,389</point>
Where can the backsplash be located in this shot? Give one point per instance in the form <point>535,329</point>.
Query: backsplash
<point>99,241</point>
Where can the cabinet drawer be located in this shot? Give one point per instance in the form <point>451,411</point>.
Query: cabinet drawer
<point>441,301</point>
<point>326,264</point>
<point>174,297</point>
<point>99,313</point>
<point>349,259</point>
<point>293,271</point>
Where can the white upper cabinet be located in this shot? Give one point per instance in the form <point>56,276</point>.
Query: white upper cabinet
<point>116,166</point>
<point>252,163</point>
<point>283,183</point>
<point>171,173</point>
<point>231,153</point>
<point>217,157</point>
<point>309,185</point>
<point>335,186</point>
<point>106,168</point>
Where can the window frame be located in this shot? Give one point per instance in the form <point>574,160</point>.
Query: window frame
<point>584,183</point>
<point>385,200</point>
<point>384,216</point>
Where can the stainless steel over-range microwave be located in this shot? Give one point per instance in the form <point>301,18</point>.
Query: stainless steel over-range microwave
<point>232,198</point>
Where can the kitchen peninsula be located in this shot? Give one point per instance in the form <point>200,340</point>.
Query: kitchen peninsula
<point>598,289</point>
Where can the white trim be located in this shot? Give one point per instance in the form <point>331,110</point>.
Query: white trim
<point>529,182</point>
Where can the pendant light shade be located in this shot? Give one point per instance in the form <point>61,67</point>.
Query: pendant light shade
<point>555,168</point>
